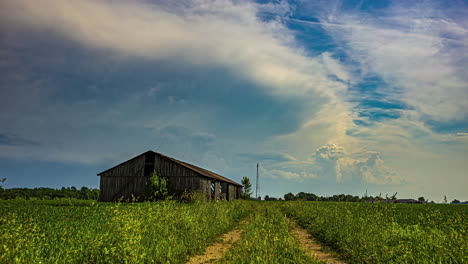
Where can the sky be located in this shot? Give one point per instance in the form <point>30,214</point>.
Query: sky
<point>329,97</point>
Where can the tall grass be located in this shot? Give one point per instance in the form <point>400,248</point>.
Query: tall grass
<point>267,239</point>
<point>87,232</point>
<point>386,233</point>
<point>72,231</point>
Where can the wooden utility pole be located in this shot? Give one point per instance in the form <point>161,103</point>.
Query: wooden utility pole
<point>257,187</point>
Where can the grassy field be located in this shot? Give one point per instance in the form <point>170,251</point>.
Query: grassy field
<point>387,233</point>
<point>87,232</point>
<point>74,231</point>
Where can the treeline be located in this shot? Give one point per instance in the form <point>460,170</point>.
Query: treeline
<point>84,193</point>
<point>336,198</point>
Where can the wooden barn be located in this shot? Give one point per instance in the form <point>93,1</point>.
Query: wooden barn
<point>132,177</point>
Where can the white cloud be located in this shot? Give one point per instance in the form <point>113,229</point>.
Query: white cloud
<point>198,33</point>
<point>416,49</point>
<point>289,175</point>
<point>329,152</point>
<point>332,162</point>
<point>194,34</point>
<point>335,68</point>
<point>370,169</point>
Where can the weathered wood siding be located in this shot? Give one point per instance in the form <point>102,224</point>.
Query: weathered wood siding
<point>232,192</point>
<point>133,167</point>
<point>124,180</point>
<point>122,187</point>
<point>166,167</point>
<point>180,178</point>
<point>205,186</point>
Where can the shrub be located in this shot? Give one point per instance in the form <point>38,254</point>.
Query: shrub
<point>157,187</point>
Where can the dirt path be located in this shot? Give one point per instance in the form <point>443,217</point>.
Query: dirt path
<point>311,247</point>
<point>216,251</point>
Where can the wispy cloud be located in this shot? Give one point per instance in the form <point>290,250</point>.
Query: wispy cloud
<point>15,140</point>
<point>415,48</point>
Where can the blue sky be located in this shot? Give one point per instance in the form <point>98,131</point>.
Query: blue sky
<point>328,96</point>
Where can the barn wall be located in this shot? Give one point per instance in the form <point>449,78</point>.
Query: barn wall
<point>133,167</point>
<point>124,180</point>
<point>205,186</point>
<point>168,168</point>
<point>178,185</point>
<point>115,188</point>
<point>180,178</point>
<point>232,193</point>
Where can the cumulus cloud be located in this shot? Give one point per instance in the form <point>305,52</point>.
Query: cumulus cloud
<point>329,152</point>
<point>332,162</point>
<point>370,169</point>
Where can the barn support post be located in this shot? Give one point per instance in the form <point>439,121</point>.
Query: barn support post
<point>217,189</point>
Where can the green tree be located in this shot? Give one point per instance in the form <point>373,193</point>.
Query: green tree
<point>2,181</point>
<point>1,188</point>
<point>157,187</point>
<point>247,189</point>
<point>84,193</point>
<point>421,199</point>
<point>289,197</point>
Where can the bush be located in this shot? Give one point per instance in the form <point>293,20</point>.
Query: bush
<point>157,188</point>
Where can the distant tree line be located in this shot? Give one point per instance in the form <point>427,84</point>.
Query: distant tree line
<point>84,193</point>
<point>350,198</point>
<point>312,197</point>
<point>338,197</point>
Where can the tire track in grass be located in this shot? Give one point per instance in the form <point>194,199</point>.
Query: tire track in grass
<point>267,240</point>
<point>216,251</point>
<point>311,247</point>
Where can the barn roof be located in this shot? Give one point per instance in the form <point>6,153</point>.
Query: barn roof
<point>199,170</point>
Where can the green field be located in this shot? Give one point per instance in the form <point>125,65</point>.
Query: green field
<point>74,231</point>
<point>387,233</point>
